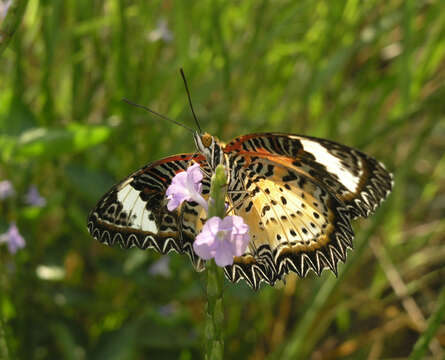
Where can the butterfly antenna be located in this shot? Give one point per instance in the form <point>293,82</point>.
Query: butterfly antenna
<point>157,114</point>
<point>190,99</point>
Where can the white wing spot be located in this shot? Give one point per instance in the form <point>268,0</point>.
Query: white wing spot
<point>332,164</point>
<point>134,206</point>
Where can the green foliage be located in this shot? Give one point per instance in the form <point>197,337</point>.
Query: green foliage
<point>9,24</point>
<point>437,318</point>
<point>47,143</point>
<point>367,74</point>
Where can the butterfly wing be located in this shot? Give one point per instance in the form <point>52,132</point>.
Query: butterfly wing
<point>134,212</point>
<point>356,179</point>
<point>298,194</point>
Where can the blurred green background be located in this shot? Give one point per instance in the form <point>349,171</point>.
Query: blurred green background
<point>369,74</point>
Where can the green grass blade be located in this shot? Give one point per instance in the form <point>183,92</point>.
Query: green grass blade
<point>434,322</point>
<point>11,22</point>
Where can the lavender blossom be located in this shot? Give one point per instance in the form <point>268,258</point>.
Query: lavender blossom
<point>222,239</point>
<point>186,186</point>
<point>160,267</point>
<point>33,197</point>
<point>13,239</point>
<point>6,189</point>
<point>167,310</point>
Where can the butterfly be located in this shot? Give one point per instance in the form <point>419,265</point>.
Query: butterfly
<point>298,195</point>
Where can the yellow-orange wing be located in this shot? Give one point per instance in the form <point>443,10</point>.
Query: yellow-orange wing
<point>298,195</point>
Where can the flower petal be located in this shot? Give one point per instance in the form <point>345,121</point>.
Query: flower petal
<point>160,267</point>
<point>204,245</point>
<point>227,223</point>
<point>206,242</point>
<point>179,181</point>
<point>240,242</point>
<point>224,255</point>
<point>209,244</point>
<point>194,173</point>
<point>239,225</point>
<point>12,237</point>
<point>6,189</point>
<point>213,225</point>
<point>186,186</point>
<point>33,197</point>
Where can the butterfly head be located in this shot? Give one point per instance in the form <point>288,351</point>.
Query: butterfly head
<point>210,148</point>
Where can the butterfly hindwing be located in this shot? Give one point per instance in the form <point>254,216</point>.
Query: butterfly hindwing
<point>295,223</point>
<point>134,212</point>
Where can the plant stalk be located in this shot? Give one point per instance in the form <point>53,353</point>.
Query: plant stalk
<point>214,316</point>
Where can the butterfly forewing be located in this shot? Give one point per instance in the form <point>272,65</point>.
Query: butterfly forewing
<point>357,180</point>
<point>134,212</point>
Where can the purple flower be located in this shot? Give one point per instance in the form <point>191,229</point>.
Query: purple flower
<point>160,267</point>
<point>13,239</point>
<point>186,186</point>
<point>222,239</point>
<point>6,189</point>
<point>167,310</point>
<point>33,197</point>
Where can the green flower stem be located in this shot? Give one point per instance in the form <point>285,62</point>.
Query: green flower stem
<point>215,276</point>
<point>218,192</point>
<point>11,22</point>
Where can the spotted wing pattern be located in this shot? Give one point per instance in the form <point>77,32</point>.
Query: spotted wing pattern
<point>298,195</point>
<point>134,212</point>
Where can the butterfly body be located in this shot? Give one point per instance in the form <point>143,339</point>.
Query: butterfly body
<point>298,195</point>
